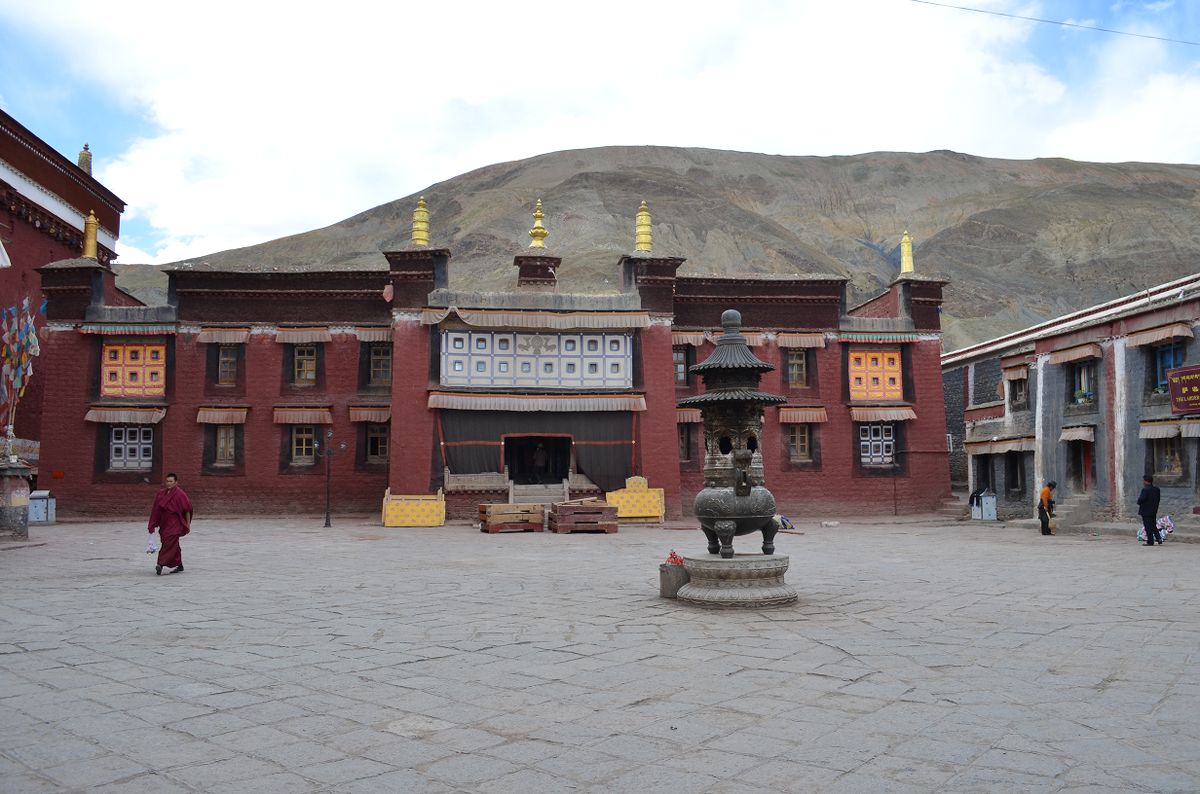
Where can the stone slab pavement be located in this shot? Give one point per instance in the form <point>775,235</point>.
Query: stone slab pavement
<point>922,657</point>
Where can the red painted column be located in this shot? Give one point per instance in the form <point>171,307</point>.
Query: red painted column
<point>412,427</point>
<point>659,441</point>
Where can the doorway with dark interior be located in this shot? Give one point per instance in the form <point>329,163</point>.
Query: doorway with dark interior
<point>1080,462</point>
<point>532,460</point>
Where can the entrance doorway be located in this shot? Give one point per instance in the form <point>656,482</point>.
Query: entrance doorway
<point>537,459</point>
<point>1079,466</point>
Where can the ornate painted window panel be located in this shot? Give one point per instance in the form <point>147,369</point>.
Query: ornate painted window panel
<point>875,375</point>
<point>133,370</point>
<point>503,359</point>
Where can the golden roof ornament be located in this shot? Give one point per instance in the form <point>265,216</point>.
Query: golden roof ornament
<point>641,229</point>
<point>420,223</point>
<point>538,232</point>
<point>89,236</point>
<point>906,256</point>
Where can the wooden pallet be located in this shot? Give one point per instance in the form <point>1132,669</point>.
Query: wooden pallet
<point>495,518</point>
<point>583,515</point>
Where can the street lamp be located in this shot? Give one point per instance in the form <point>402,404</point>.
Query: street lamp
<point>328,452</point>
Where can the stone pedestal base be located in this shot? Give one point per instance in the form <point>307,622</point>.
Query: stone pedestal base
<point>14,501</point>
<point>749,581</point>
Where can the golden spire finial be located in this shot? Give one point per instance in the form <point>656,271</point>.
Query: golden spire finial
<point>641,229</point>
<point>906,257</point>
<point>420,223</point>
<point>538,232</point>
<point>89,236</point>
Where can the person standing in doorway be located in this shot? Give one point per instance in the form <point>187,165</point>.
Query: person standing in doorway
<point>541,463</point>
<point>1148,509</point>
<point>171,515</point>
<point>1045,507</point>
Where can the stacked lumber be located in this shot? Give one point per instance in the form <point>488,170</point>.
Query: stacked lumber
<point>511,518</point>
<point>583,515</point>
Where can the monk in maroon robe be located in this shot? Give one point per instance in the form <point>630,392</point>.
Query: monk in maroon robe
<point>171,515</point>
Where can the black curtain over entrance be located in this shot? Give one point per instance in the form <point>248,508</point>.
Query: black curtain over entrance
<point>603,440</point>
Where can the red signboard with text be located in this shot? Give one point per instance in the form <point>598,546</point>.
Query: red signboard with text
<point>1184,385</point>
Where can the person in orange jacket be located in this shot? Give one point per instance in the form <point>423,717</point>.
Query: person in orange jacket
<point>1045,508</point>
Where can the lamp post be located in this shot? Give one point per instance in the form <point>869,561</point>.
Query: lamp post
<point>328,452</point>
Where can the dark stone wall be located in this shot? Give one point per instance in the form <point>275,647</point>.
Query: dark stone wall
<point>953,388</point>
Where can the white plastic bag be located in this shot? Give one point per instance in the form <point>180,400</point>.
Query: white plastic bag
<point>152,545</point>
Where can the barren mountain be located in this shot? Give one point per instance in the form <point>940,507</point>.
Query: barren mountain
<point>1019,241</point>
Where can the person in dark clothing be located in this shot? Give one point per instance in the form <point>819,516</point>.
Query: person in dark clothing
<point>1045,507</point>
<point>1148,509</point>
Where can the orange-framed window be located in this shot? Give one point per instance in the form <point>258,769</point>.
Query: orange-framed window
<point>876,375</point>
<point>133,370</point>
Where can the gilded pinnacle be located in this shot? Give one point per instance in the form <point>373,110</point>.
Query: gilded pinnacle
<point>420,223</point>
<point>89,236</point>
<point>538,232</point>
<point>641,229</point>
<point>906,254</point>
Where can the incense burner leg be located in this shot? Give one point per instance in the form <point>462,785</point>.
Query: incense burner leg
<point>769,529</point>
<point>714,543</point>
<point>724,531</point>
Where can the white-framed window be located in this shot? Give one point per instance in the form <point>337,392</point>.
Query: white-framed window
<point>131,447</point>
<point>679,355</point>
<point>877,444</point>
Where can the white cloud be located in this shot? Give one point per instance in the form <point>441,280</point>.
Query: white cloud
<point>277,119</point>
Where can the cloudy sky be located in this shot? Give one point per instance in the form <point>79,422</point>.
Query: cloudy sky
<point>225,124</point>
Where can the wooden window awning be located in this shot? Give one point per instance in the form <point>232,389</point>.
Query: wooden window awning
<point>1190,429</point>
<point>697,338</point>
<point>1001,445</point>
<point>495,318</point>
<point>125,416</point>
<point>881,414</point>
<point>1159,430</point>
<point>1077,353</point>
<point>537,402</point>
<point>1015,373</point>
<point>792,415</point>
<point>1081,433</point>
<point>126,329</point>
<point>877,338</point>
<point>375,414</point>
<point>800,340</point>
<point>303,416</point>
<point>684,416</point>
<point>373,334</point>
<point>694,338</point>
<point>223,336</point>
<point>1161,334</point>
<point>302,336</point>
<point>221,416</point>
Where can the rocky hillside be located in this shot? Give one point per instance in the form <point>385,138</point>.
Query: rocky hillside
<point>1019,241</point>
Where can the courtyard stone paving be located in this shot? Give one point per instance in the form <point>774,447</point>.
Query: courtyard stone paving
<point>291,658</point>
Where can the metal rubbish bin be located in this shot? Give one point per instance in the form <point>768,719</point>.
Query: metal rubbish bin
<point>987,505</point>
<point>41,508</point>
